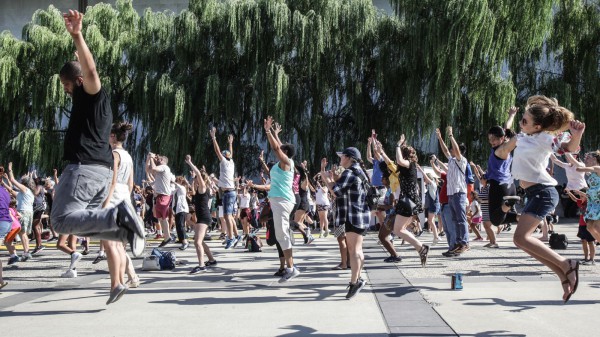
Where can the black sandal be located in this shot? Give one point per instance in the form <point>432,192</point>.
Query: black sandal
<point>423,254</point>
<point>571,293</point>
<point>576,270</point>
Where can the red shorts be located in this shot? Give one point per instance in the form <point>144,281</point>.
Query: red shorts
<point>161,206</point>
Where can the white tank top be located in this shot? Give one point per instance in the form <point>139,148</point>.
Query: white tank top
<point>125,167</point>
<point>121,191</point>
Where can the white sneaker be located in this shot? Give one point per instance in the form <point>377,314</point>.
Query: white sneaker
<point>71,273</point>
<point>289,275</point>
<point>75,257</point>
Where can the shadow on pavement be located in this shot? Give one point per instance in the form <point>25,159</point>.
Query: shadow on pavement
<point>49,313</point>
<point>523,305</point>
<point>301,330</point>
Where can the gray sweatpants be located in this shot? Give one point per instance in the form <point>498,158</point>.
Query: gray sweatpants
<point>78,199</point>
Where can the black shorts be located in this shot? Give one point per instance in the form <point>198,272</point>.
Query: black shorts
<point>351,229</point>
<point>37,215</point>
<point>584,234</point>
<point>304,204</point>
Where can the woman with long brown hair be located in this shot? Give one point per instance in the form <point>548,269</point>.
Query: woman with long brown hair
<point>541,124</point>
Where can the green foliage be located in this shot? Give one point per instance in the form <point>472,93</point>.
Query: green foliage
<point>329,71</point>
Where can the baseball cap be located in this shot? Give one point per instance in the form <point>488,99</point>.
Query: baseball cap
<point>351,152</point>
<point>226,154</point>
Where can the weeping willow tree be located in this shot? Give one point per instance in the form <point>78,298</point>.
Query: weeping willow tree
<point>33,105</point>
<point>329,71</point>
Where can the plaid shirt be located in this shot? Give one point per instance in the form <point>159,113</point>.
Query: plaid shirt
<point>350,202</point>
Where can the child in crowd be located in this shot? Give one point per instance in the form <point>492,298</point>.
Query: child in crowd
<point>475,215</point>
<point>587,240</point>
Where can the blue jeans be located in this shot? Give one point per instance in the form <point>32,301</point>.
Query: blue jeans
<point>458,204</point>
<point>78,199</point>
<point>449,227</point>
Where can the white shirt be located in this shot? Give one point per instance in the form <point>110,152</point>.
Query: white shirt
<point>457,183</point>
<point>531,158</point>
<point>180,200</point>
<point>321,196</point>
<point>475,207</point>
<point>162,180</point>
<point>226,171</point>
<point>244,200</point>
<point>575,180</point>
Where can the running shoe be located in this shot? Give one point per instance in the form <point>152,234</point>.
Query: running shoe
<point>99,258</point>
<point>38,249</point>
<point>228,243</point>
<point>165,242</point>
<point>184,246</point>
<point>198,270</point>
<point>14,259</point>
<point>354,289</point>
<point>288,276</point>
<point>25,257</point>
<point>392,259</point>
<point>210,263</point>
<point>310,240</point>
<point>511,200</point>
<point>237,240</point>
<point>71,273</point>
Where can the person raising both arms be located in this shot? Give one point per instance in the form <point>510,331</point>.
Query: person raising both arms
<point>85,181</point>
<point>542,121</point>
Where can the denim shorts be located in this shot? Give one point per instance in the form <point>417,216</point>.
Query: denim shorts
<point>541,200</point>
<point>229,200</point>
<point>5,227</point>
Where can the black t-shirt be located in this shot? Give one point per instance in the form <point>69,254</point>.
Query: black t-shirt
<point>87,138</point>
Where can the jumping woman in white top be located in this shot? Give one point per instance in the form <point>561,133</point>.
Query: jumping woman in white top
<point>542,121</point>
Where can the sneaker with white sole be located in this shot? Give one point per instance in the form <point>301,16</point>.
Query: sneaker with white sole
<point>354,289</point>
<point>14,259</point>
<point>137,243</point>
<point>289,275</point>
<point>71,273</point>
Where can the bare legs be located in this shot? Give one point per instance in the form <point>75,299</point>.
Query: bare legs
<point>357,258</point>
<point>400,224</point>
<point>343,251</point>
<point>539,251</point>
<point>117,262</point>
<point>201,246</point>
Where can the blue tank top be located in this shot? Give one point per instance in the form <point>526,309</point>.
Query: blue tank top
<point>281,183</point>
<point>499,169</point>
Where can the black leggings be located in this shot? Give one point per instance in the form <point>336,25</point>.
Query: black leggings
<point>497,193</point>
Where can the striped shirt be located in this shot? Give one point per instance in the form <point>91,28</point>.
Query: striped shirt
<point>457,182</point>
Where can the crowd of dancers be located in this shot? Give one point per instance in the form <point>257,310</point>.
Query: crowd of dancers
<point>95,195</point>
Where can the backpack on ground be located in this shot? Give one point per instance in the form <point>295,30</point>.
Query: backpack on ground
<point>253,243</point>
<point>558,241</point>
<point>167,260</point>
